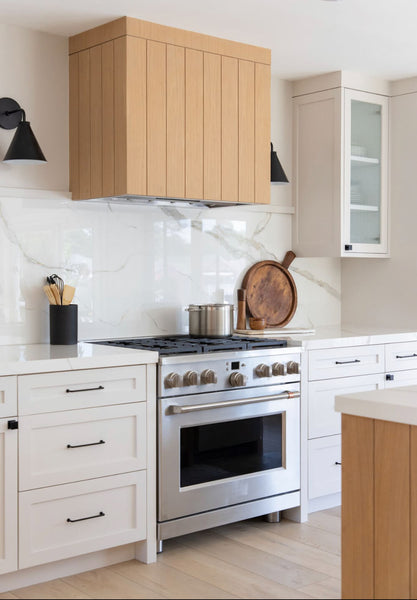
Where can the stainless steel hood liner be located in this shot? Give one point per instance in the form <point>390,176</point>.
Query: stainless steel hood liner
<point>155,201</point>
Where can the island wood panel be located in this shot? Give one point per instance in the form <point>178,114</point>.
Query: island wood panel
<point>413,512</point>
<point>230,129</point>
<point>246,131</point>
<point>357,507</point>
<point>194,94</point>
<point>74,103</point>
<point>136,107</point>
<point>175,121</point>
<point>212,126</point>
<point>84,133</point>
<point>392,510</point>
<point>262,134</point>
<point>96,122</point>
<point>120,116</point>
<point>107,82</point>
<point>156,121</point>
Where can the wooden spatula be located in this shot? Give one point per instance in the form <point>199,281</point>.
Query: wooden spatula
<point>54,289</point>
<point>49,294</point>
<point>68,294</point>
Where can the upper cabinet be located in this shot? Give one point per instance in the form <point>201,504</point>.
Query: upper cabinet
<point>341,169</point>
<point>161,112</point>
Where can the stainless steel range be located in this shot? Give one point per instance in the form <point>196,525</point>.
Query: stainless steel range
<point>228,430</point>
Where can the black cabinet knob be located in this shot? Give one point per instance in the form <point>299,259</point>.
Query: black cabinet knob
<point>13,424</point>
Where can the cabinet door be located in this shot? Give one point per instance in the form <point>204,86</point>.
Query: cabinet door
<point>8,496</point>
<point>399,378</point>
<point>324,466</point>
<point>365,226</point>
<point>8,396</point>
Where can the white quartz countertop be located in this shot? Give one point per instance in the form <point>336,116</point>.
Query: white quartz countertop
<point>43,358</point>
<point>338,337</point>
<point>394,404</point>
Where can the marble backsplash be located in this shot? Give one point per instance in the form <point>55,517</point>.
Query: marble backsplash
<point>136,268</point>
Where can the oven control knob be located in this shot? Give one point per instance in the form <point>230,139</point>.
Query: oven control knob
<point>279,369</point>
<point>263,371</point>
<point>237,379</point>
<point>208,376</point>
<point>190,378</point>
<point>293,367</point>
<point>172,380</point>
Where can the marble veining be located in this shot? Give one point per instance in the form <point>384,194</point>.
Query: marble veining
<point>136,268</point>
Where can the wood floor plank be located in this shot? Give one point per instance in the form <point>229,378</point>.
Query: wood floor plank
<point>326,521</point>
<point>231,578</point>
<point>7,595</point>
<point>164,579</point>
<point>262,563</point>
<point>105,583</point>
<point>50,589</point>
<point>327,589</point>
<point>269,540</point>
<point>336,511</point>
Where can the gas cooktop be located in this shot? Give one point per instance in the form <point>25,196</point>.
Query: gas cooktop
<point>185,344</point>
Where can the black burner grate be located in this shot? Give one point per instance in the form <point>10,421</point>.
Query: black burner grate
<point>184,344</point>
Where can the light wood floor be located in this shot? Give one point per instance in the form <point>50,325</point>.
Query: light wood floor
<point>250,559</point>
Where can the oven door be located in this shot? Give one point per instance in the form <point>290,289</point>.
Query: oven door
<point>221,449</point>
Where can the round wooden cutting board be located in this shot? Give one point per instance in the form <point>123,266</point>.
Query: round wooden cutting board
<point>271,293</point>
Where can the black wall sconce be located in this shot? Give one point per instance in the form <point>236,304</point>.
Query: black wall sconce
<point>277,172</point>
<point>24,147</point>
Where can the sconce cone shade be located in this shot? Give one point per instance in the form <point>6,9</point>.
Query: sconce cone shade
<point>24,147</point>
<point>277,172</point>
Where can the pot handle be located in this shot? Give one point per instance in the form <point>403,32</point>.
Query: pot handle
<point>288,258</point>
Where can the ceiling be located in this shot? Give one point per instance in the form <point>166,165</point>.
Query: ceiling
<point>307,37</point>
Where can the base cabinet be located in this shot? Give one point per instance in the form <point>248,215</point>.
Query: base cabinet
<point>8,497</point>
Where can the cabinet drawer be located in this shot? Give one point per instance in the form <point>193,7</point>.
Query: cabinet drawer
<point>52,392</point>
<point>401,378</point>
<point>68,520</point>
<point>324,475</point>
<point>345,362</point>
<point>401,356</point>
<point>323,420</point>
<point>81,444</point>
<point>8,396</point>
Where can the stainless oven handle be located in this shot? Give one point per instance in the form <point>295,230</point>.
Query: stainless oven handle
<point>174,409</point>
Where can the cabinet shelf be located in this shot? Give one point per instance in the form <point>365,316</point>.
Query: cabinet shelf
<point>360,161</point>
<point>364,207</point>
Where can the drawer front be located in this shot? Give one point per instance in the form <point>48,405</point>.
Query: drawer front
<point>324,475</point>
<point>8,396</point>
<point>346,362</point>
<point>401,378</point>
<point>53,392</point>
<point>323,420</point>
<point>74,445</point>
<point>401,356</point>
<point>68,520</point>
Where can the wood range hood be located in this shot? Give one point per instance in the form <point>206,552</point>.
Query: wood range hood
<point>164,116</point>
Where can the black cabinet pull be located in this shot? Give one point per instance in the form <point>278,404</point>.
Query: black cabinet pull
<point>100,387</point>
<point>348,247</point>
<point>347,362</point>
<point>13,424</point>
<point>389,377</point>
<point>85,445</point>
<point>406,356</point>
<point>338,463</point>
<point>100,514</point>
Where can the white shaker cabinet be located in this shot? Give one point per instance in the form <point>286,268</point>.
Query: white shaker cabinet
<point>8,496</point>
<point>340,172</point>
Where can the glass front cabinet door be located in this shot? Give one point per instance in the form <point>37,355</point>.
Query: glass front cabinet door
<point>365,206</point>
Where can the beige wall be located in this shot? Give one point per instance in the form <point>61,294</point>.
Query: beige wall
<point>384,291</point>
<point>34,72</point>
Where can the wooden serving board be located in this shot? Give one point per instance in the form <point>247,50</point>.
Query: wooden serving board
<point>271,293</point>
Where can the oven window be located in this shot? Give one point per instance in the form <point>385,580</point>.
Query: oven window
<point>222,450</point>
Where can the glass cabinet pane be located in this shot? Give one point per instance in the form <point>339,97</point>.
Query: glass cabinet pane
<point>365,172</point>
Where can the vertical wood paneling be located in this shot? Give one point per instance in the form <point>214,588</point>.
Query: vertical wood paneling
<point>84,131</point>
<point>107,78</point>
<point>392,510</point>
<point>246,131</point>
<point>194,124</point>
<point>262,133</point>
<point>74,99</point>
<point>96,123</point>
<point>230,129</point>
<point>413,512</point>
<point>175,122</point>
<point>357,507</point>
<point>212,126</point>
<point>136,102</point>
<point>156,110</point>
<point>120,116</point>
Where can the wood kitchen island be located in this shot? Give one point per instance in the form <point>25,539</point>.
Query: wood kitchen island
<point>379,493</point>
